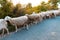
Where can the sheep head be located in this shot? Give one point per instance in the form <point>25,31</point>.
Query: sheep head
<point>7,18</point>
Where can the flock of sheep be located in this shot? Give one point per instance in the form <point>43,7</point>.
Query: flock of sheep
<point>26,20</point>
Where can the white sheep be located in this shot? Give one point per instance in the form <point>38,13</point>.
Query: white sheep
<point>3,25</point>
<point>43,14</point>
<point>34,18</point>
<point>56,12</point>
<point>18,21</point>
<point>49,14</point>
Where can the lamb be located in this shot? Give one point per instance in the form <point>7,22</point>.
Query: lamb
<point>50,14</point>
<point>18,21</point>
<point>34,18</point>
<point>43,14</point>
<point>56,12</point>
<point>3,25</point>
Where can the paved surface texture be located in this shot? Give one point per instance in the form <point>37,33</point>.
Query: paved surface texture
<point>48,29</point>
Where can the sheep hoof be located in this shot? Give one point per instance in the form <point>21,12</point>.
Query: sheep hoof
<point>36,23</point>
<point>8,33</point>
<point>1,35</point>
<point>16,31</point>
<point>27,29</point>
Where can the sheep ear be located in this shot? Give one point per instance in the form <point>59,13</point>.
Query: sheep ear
<point>5,18</point>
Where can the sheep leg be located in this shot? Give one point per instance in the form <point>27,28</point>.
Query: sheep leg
<point>3,32</point>
<point>31,23</point>
<point>49,16</point>
<point>35,22</point>
<point>16,27</point>
<point>55,15</point>
<point>27,27</point>
<point>41,18</point>
<point>7,31</point>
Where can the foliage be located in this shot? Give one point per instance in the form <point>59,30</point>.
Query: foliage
<point>9,9</point>
<point>28,9</point>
